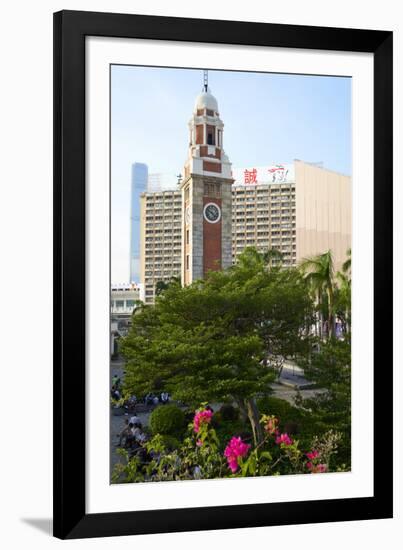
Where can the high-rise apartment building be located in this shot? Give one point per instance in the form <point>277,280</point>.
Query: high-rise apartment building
<point>138,186</point>
<point>300,209</point>
<point>160,239</point>
<point>263,211</point>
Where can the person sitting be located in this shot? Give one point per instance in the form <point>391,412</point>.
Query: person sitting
<point>116,381</point>
<point>148,399</point>
<point>164,397</point>
<point>125,433</point>
<point>131,402</point>
<point>130,438</point>
<point>137,431</point>
<point>115,393</point>
<point>135,419</point>
<point>141,437</point>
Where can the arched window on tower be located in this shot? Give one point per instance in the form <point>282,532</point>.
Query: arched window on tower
<point>210,135</point>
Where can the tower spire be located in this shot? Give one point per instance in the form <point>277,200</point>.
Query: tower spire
<point>205,80</point>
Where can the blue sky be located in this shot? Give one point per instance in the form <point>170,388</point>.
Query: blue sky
<point>268,118</point>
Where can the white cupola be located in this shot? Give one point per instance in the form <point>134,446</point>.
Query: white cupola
<point>206,154</point>
<point>206,100</point>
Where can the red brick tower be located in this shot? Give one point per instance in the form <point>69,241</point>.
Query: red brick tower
<point>206,193</point>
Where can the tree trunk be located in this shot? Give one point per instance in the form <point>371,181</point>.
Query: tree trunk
<point>242,409</point>
<point>320,316</point>
<point>331,316</point>
<point>253,415</point>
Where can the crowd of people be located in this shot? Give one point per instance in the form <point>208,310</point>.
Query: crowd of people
<point>150,399</point>
<point>132,436</point>
<point>132,433</point>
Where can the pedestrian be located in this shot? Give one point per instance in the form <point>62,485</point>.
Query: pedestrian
<point>125,433</point>
<point>116,381</point>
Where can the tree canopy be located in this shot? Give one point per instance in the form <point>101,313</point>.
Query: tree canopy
<point>210,341</point>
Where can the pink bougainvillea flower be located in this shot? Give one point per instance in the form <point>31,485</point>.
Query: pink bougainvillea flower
<point>312,455</point>
<point>284,439</point>
<point>309,465</point>
<point>233,464</point>
<point>199,443</point>
<point>235,448</point>
<point>201,417</point>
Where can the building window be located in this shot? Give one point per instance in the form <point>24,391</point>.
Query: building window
<point>129,303</point>
<point>187,261</point>
<point>210,131</point>
<point>212,190</point>
<point>119,304</point>
<point>187,236</point>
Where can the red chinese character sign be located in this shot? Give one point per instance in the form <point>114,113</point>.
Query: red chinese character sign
<point>250,176</point>
<point>274,173</point>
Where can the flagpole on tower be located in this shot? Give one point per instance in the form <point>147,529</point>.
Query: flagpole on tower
<point>205,79</point>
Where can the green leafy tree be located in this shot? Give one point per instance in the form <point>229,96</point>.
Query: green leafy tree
<point>319,272</point>
<point>330,369</point>
<point>343,293</point>
<point>209,341</point>
<point>161,286</point>
<point>343,300</point>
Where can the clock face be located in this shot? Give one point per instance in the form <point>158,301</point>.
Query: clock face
<point>212,212</point>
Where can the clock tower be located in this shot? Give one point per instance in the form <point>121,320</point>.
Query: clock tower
<point>206,193</point>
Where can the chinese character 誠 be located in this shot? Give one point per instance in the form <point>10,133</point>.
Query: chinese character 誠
<point>250,176</point>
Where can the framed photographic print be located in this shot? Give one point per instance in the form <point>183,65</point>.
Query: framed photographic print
<point>223,274</point>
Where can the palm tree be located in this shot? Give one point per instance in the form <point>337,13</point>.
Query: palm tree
<point>319,272</point>
<point>344,298</point>
<point>346,267</point>
<point>344,289</point>
<point>272,255</point>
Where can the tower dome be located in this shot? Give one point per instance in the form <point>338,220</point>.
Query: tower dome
<point>205,100</point>
<point>206,156</point>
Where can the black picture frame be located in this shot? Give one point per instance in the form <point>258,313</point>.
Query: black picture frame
<point>70,30</point>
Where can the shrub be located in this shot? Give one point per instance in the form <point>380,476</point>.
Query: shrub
<point>204,455</point>
<point>167,420</point>
<point>291,418</point>
<point>278,407</point>
<point>226,430</point>
<point>229,412</point>
<point>170,442</point>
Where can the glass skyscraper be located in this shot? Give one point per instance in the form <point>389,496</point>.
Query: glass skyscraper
<point>138,186</point>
